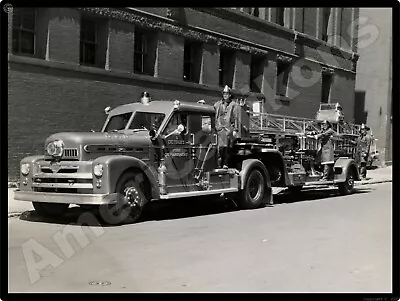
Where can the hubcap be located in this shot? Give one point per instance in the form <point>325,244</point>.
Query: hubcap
<point>350,181</point>
<point>254,188</point>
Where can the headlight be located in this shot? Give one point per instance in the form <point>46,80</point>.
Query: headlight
<point>55,148</point>
<point>98,170</point>
<point>25,169</point>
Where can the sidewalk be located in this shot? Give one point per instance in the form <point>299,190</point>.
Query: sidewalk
<point>379,175</point>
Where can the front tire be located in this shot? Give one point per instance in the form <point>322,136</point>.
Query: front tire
<point>131,186</point>
<point>347,187</point>
<point>50,209</point>
<point>255,192</point>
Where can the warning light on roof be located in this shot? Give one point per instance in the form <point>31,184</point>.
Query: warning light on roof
<point>176,104</point>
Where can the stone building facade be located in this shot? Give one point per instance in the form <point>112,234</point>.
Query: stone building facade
<point>66,65</point>
<point>373,95</point>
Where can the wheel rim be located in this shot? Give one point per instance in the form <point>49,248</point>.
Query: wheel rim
<point>350,182</point>
<point>255,186</point>
<point>129,209</point>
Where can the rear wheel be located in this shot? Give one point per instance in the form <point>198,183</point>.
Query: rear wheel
<point>130,208</point>
<point>50,209</point>
<point>255,192</point>
<point>347,187</point>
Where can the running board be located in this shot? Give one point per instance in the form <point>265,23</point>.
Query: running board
<point>186,194</point>
<point>322,183</point>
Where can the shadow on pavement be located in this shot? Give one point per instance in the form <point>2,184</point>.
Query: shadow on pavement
<point>178,209</point>
<point>153,211</point>
<point>312,195</point>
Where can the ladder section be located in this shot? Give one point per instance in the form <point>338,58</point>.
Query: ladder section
<point>281,124</point>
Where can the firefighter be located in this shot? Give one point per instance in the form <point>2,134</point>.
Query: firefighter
<point>226,124</point>
<point>326,151</point>
<point>362,150</point>
<point>145,98</point>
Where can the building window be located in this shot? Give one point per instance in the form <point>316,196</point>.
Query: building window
<point>325,22</point>
<point>256,12</point>
<point>88,44</point>
<point>280,16</point>
<point>326,87</point>
<point>256,73</point>
<point>226,67</point>
<point>192,57</point>
<point>340,25</point>
<point>145,46</point>
<point>140,44</point>
<point>303,17</point>
<point>282,78</point>
<point>23,35</point>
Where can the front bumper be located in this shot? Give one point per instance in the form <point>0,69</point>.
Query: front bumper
<point>67,198</point>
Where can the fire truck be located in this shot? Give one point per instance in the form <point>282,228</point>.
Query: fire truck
<point>167,150</point>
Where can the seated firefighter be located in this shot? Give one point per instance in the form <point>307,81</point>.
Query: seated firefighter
<point>226,124</point>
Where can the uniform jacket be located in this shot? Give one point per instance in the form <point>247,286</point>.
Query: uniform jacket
<point>226,121</point>
<point>363,148</point>
<point>326,150</point>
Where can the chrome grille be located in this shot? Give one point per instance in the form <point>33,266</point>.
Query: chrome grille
<point>71,152</point>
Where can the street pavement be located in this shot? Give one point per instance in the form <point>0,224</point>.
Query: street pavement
<point>379,175</point>
<point>322,242</point>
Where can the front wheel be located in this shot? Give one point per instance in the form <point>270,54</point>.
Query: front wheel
<point>130,208</point>
<point>255,192</point>
<point>50,209</point>
<point>347,187</point>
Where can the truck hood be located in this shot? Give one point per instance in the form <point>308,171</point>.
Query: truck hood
<point>95,142</point>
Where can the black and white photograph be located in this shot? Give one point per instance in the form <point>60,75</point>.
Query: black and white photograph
<point>200,149</point>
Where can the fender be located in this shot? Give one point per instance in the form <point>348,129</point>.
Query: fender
<point>273,155</point>
<point>247,166</point>
<point>344,165</point>
<point>31,160</point>
<point>114,166</point>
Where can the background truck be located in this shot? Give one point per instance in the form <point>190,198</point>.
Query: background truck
<point>168,150</point>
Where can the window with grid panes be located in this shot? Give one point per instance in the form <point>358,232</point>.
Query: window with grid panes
<point>140,45</point>
<point>88,41</point>
<point>23,35</point>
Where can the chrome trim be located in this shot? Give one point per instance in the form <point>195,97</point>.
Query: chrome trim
<point>63,175</point>
<point>67,198</point>
<point>196,193</point>
<point>70,153</point>
<point>62,185</point>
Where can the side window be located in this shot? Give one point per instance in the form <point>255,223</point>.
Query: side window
<point>177,119</point>
<point>206,124</point>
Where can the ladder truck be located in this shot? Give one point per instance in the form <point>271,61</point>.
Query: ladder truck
<point>167,150</point>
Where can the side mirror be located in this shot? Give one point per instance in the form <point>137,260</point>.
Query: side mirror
<point>107,110</point>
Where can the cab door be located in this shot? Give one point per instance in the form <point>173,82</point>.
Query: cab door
<point>204,143</point>
<point>176,151</point>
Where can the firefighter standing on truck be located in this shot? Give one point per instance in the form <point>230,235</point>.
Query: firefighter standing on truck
<point>363,149</point>
<point>326,150</point>
<point>226,124</point>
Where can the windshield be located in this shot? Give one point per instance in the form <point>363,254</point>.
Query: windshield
<point>147,121</point>
<point>118,122</point>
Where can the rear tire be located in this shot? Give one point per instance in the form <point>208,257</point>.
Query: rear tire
<point>347,187</point>
<point>50,209</point>
<point>255,192</point>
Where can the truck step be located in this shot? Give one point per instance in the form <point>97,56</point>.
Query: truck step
<point>319,183</point>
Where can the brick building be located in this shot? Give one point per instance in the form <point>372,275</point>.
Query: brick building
<point>373,102</point>
<point>66,64</point>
